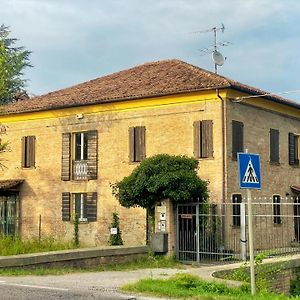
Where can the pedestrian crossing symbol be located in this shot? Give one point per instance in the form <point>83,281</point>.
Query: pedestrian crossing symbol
<point>249,171</point>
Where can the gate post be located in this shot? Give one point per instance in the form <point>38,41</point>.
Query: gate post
<point>197,233</point>
<point>243,239</point>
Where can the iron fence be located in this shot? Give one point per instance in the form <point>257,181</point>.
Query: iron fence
<point>219,231</point>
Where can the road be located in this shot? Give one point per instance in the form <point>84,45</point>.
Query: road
<point>100,285</point>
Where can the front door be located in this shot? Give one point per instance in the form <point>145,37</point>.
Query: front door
<point>8,214</point>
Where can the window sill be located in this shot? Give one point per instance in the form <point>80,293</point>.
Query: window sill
<point>206,158</point>
<point>274,163</point>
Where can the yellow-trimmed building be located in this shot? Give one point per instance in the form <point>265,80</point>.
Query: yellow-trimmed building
<point>67,147</point>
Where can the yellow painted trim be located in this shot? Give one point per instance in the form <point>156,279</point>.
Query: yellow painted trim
<point>264,104</point>
<point>119,106</point>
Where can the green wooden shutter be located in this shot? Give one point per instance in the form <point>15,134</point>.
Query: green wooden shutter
<point>141,143</point>
<point>91,207</point>
<point>31,151</point>
<point>274,145</point>
<point>66,156</point>
<point>65,207</point>
<point>291,149</point>
<point>131,144</point>
<point>206,135</point>
<point>196,126</point>
<point>237,138</point>
<point>92,154</point>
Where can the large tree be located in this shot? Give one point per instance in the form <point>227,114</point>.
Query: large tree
<point>13,61</point>
<point>161,177</point>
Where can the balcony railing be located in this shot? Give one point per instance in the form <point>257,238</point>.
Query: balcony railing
<point>80,169</point>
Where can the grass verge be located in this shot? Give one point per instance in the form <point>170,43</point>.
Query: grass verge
<point>12,245</point>
<point>143,263</point>
<point>191,287</point>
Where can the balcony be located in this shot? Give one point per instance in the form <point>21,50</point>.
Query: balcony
<point>80,170</point>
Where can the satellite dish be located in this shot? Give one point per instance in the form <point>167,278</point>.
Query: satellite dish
<point>218,58</point>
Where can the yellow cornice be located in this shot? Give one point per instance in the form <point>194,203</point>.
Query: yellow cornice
<point>263,103</point>
<point>117,106</point>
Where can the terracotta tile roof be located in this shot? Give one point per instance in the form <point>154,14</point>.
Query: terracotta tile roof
<point>150,79</point>
<point>10,183</point>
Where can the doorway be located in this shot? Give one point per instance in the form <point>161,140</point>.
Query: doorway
<point>8,214</point>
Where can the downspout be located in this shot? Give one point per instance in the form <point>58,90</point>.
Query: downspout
<point>223,121</point>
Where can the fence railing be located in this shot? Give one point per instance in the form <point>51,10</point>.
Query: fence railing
<point>219,231</point>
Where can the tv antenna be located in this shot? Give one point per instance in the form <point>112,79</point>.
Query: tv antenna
<point>217,57</point>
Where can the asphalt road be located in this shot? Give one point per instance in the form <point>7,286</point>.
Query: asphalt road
<point>100,285</point>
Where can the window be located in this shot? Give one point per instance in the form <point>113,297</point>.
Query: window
<point>274,145</point>
<point>236,209</point>
<point>137,150</point>
<point>82,204</point>
<point>28,151</point>
<point>237,138</point>
<point>276,209</point>
<point>83,160</point>
<point>203,139</point>
<point>293,149</point>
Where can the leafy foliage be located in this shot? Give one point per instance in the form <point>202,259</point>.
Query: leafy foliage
<point>13,60</point>
<point>76,230</point>
<point>161,177</point>
<point>116,239</point>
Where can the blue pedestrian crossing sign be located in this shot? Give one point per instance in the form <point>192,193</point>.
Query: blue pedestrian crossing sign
<point>249,171</point>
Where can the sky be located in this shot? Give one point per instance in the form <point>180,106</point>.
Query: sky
<point>79,40</point>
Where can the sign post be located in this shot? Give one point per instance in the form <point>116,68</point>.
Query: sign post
<point>249,175</point>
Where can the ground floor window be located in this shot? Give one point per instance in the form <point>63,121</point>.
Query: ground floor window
<point>236,209</point>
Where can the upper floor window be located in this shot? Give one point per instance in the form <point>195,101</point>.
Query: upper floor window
<point>274,145</point>
<point>28,151</point>
<point>237,138</point>
<point>84,205</point>
<point>82,163</point>
<point>293,149</point>
<point>137,151</point>
<point>203,139</point>
<point>236,209</point>
<point>276,209</point>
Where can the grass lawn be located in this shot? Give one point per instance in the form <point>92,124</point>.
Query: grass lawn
<point>191,287</point>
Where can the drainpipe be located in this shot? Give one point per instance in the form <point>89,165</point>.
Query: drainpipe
<point>223,120</point>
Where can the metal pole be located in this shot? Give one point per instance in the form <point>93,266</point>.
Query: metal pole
<point>197,233</point>
<point>243,232</point>
<point>251,248</point>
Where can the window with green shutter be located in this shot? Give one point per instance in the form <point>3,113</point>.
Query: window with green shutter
<point>237,138</point>
<point>203,139</point>
<point>82,162</point>
<point>137,151</point>
<point>274,145</point>
<point>82,204</point>
<point>28,151</point>
<point>293,149</point>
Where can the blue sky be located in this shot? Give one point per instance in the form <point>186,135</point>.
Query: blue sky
<point>78,40</point>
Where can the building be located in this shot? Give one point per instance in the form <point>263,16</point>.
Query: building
<point>67,147</point>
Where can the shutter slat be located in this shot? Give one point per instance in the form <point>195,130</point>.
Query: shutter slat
<point>92,154</point>
<point>65,207</point>
<point>66,156</point>
<point>196,126</point>
<point>91,207</point>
